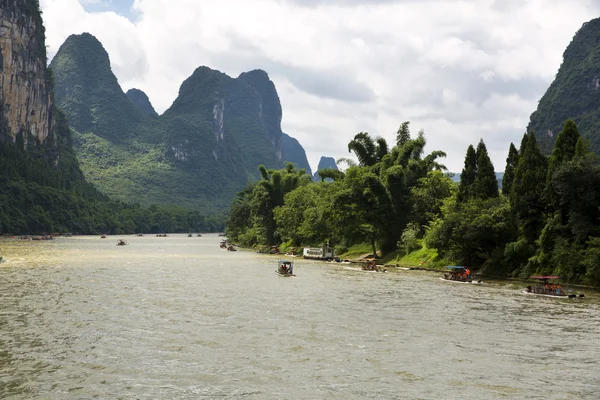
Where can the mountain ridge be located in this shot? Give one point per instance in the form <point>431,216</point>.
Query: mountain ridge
<point>200,152</point>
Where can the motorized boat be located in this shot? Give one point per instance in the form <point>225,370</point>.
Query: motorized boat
<point>547,285</point>
<point>285,268</point>
<point>103,237</point>
<point>121,242</point>
<point>459,274</point>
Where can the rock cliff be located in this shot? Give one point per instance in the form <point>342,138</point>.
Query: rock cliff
<point>25,85</point>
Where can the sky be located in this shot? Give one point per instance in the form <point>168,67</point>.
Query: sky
<point>461,71</point>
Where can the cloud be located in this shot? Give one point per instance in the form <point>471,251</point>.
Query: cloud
<point>460,70</point>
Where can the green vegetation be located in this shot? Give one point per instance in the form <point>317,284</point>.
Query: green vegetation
<point>372,202</point>
<point>197,154</point>
<point>398,205</point>
<point>574,94</point>
<point>141,101</point>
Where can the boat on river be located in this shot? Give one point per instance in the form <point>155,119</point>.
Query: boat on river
<point>373,267</point>
<point>121,242</point>
<point>285,268</point>
<point>459,274</point>
<point>548,286</point>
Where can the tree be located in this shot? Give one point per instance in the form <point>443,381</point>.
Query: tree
<point>403,134</point>
<point>367,151</point>
<point>528,188</point>
<point>468,175</point>
<point>486,184</point>
<point>509,172</point>
<point>564,148</point>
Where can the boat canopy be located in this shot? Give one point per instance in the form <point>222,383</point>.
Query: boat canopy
<point>455,267</point>
<point>285,261</point>
<point>545,277</point>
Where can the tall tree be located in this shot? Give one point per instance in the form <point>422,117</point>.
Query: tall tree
<point>528,188</point>
<point>468,175</point>
<point>486,184</point>
<point>509,171</point>
<point>403,134</point>
<point>564,148</point>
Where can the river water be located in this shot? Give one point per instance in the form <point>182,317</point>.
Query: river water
<point>179,318</point>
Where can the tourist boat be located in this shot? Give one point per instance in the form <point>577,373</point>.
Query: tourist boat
<point>459,274</point>
<point>550,289</point>
<point>372,266</point>
<point>121,242</point>
<point>103,237</point>
<point>285,268</point>
<point>318,253</point>
<point>223,244</point>
<point>140,234</point>
<point>231,248</point>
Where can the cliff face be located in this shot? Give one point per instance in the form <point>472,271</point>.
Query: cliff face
<point>25,88</point>
<point>575,92</point>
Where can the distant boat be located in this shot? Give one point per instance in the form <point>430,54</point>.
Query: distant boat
<point>459,274</point>
<point>318,253</point>
<point>121,242</point>
<point>550,289</point>
<point>285,268</point>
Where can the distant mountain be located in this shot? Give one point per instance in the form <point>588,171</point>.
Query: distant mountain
<point>575,92</point>
<point>499,175</point>
<point>325,163</point>
<point>198,153</point>
<point>141,101</point>
<point>294,152</point>
<point>89,93</point>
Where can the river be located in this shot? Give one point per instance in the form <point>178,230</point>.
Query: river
<point>180,318</point>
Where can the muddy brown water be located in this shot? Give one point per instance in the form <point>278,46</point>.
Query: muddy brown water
<point>180,318</point>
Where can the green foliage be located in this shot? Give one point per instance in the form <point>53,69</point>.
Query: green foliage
<point>574,92</point>
<point>468,176</point>
<point>197,154</point>
<point>528,188</point>
<point>470,231</point>
<point>509,171</point>
<point>486,184</point>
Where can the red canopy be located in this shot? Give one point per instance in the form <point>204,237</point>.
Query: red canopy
<point>545,277</point>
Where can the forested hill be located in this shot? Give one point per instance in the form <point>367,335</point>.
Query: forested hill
<point>141,101</point>
<point>42,188</point>
<point>575,92</point>
<point>198,153</point>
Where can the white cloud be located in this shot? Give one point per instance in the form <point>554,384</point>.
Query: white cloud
<point>460,70</point>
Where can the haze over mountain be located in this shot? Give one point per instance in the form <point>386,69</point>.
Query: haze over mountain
<point>294,152</point>
<point>574,93</point>
<point>198,153</point>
